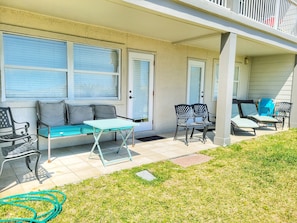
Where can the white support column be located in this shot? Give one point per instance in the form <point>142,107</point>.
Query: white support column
<point>293,123</point>
<point>225,89</point>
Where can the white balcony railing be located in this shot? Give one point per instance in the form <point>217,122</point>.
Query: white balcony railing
<point>278,14</point>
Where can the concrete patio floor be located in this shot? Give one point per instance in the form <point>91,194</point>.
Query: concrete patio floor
<point>72,164</point>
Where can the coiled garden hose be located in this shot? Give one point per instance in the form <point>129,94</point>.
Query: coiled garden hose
<point>40,206</point>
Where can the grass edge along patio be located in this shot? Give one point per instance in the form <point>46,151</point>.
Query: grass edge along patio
<point>249,181</point>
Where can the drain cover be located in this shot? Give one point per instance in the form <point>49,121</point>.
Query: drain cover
<point>146,175</point>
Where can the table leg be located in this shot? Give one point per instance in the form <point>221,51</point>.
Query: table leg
<point>97,134</point>
<point>124,143</point>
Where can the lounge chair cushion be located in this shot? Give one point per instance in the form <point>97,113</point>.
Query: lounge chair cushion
<point>264,119</point>
<point>53,113</point>
<point>250,110</point>
<point>243,123</point>
<point>239,122</point>
<point>77,114</point>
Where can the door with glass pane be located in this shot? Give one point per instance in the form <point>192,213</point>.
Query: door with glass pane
<point>140,89</point>
<point>195,87</point>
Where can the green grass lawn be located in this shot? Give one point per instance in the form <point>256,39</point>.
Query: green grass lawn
<point>252,181</point>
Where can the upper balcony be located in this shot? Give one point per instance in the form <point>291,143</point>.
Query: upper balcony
<point>278,14</point>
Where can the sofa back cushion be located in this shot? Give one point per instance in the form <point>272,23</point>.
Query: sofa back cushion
<point>52,113</point>
<point>105,111</point>
<point>77,114</point>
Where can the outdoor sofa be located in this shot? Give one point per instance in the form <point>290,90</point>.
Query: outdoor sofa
<point>61,119</point>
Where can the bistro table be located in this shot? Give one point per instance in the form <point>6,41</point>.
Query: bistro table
<point>112,125</point>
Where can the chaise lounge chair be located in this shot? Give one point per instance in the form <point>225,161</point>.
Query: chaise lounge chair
<point>249,110</point>
<point>241,123</point>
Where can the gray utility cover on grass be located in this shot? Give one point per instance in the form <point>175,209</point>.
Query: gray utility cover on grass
<point>146,175</point>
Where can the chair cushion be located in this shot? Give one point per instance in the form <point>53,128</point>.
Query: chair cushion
<point>77,114</point>
<point>66,130</point>
<point>244,122</point>
<point>105,111</point>
<point>52,113</point>
<point>248,109</point>
<point>264,119</point>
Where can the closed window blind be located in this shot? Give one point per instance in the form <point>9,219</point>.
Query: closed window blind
<point>34,52</point>
<point>96,72</point>
<point>34,67</point>
<point>39,68</point>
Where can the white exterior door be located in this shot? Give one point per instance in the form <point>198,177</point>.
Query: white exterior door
<point>195,85</point>
<point>140,89</point>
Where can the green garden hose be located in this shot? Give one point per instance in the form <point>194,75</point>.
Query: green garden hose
<point>48,202</point>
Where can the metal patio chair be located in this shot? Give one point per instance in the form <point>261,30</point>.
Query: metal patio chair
<point>204,118</point>
<point>283,111</point>
<point>15,141</point>
<point>185,119</point>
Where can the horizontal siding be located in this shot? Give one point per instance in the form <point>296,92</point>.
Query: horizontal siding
<point>271,76</point>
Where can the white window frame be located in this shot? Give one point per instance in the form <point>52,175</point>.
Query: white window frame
<point>115,74</point>
<point>70,91</point>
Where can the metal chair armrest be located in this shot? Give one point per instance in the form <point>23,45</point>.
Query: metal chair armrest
<point>31,138</point>
<point>19,126</point>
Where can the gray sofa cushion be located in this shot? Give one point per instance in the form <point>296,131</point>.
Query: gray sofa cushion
<point>52,113</point>
<point>105,111</point>
<point>77,114</point>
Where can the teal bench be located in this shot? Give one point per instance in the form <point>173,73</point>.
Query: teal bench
<point>59,119</point>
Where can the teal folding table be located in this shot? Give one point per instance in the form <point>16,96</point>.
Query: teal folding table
<point>112,125</point>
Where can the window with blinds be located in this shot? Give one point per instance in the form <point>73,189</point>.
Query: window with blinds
<point>34,68</point>
<point>96,72</point>
<point>39,68</point>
